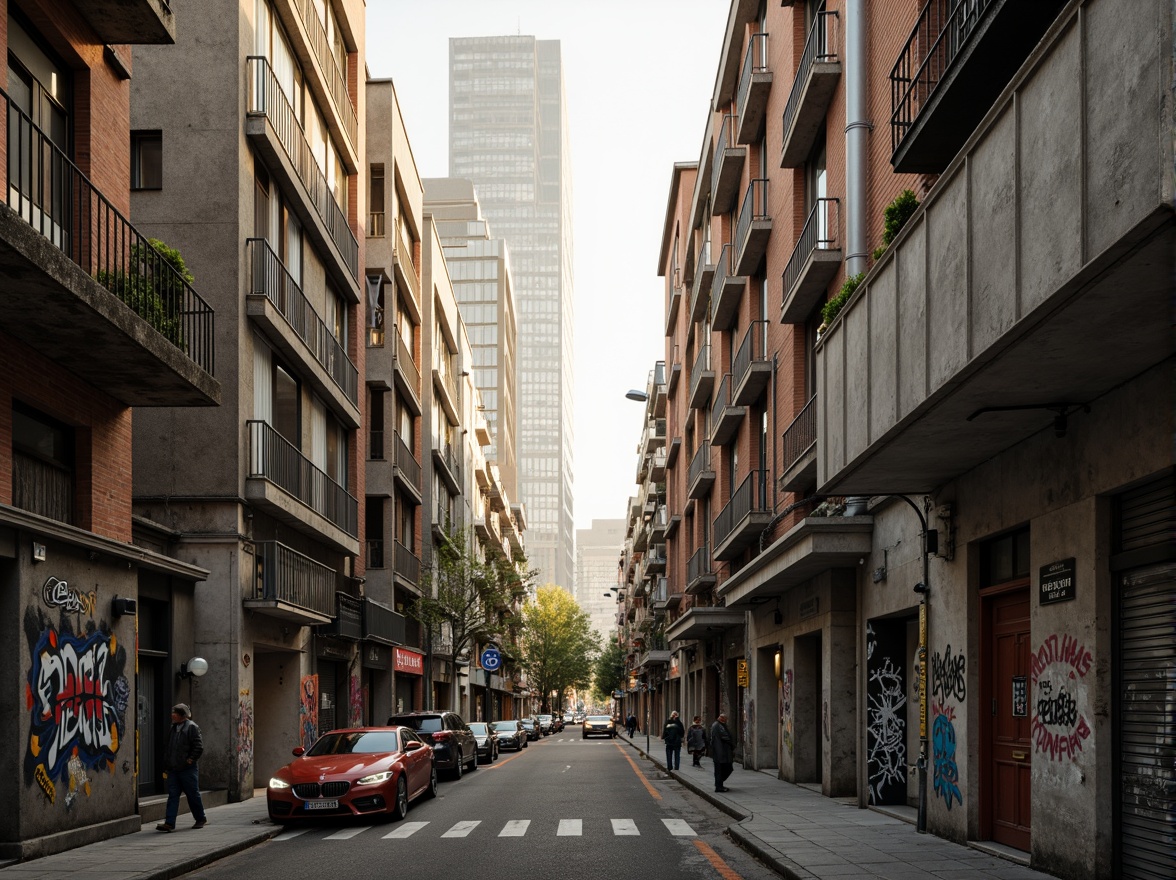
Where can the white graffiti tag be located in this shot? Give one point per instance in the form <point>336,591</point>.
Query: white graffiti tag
<point>886,741</point>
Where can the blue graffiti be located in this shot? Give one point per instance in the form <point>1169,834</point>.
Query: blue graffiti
<point>947,774</point>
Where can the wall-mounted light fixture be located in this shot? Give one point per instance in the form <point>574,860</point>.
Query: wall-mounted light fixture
<point>194,668</point>
<point>779,663</point>
<point>124,607</point>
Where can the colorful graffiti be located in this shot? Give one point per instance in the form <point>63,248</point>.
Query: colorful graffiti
<point>355,709</point>
<point>308,710</point>
<point>244,736</point>
<point>946,774</point>
<point>77,695</point>
<point>1057,670</point>
<point>786,710</point>
<point>57,593</point>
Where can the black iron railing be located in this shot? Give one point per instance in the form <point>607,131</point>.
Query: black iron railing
<point>751,497</point>
<point>407,365</point>
<point>819,233</point>
<point>274,458</point>
<point>407,462</point>
<point>699,565</point>
<point>724,269</point>
<point>699,464</point>
<point>754,207</point>
<point>701,365</point>
<point>267,99</point>
<point>700,275</point>
<point>755,61</point>
<point>328,64</point>
<point>285,575</point>
<point>53,196</point>
<point>821,45</point>
<point>722,400</point>
<point>271,279</point>
<point>382,623</point>
<point>751,350</point>
<point>801,434</point>
<point>943,28</point>
<point>408,564</point>
<point>726,141</point>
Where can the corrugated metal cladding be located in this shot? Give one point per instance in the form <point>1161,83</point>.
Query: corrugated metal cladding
<point>1146,705</point>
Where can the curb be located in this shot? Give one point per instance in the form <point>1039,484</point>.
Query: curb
<point>196,862</point>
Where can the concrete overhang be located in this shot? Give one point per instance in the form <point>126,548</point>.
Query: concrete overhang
<point>130,21</point>
<point>285,507</point>
<point>702,623</point>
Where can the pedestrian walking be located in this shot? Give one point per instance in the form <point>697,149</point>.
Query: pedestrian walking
<point>696,740</point>
<point>673,734</point>
<point>181,768</point>
<point>631,724</point>
<point>722,751</point>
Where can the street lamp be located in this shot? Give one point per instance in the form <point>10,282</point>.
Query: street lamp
<point>634,394</point>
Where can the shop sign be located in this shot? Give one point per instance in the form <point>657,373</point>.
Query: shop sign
<point>744,676</point>
<point>810,607</point>
<point>408,661</point>
<point>329,649</point>
<point>1057,581</point>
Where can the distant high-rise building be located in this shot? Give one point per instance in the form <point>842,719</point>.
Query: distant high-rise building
<point>508,134</point>
<point>598,550</point>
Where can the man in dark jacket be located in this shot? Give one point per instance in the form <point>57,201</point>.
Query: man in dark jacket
<point>673,734</point>
<point>181,770</point>
<point>722,746</point>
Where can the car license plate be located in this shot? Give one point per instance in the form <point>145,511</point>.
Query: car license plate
<point>322,805</point>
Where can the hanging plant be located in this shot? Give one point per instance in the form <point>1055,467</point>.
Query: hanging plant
<point>831,309</point>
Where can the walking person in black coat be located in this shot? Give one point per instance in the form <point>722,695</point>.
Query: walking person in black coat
<point>673,733</point>
<point>722,746</point>
<point>696,740</point>
<point>181,770</point>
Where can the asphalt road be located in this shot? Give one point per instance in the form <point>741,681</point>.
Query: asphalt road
<point>564,805</point>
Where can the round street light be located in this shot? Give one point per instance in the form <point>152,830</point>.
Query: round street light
<point>639,396</point>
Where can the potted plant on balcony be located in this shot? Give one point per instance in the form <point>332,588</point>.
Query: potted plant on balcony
<point>894,217</point>
<point>153,285</point>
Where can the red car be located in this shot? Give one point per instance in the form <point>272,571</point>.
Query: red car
<point>355,772</point>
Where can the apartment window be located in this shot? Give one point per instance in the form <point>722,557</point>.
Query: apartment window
<point>374,530</point>
<point>146,160</point>
<point>42,464</point>
<point>376,421</point>
<point>286,417</point>
<point>376,200</point>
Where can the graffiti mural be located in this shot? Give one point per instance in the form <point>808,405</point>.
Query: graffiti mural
<point>77,694</point>
<point>886,701</point>
<point>355,710</point>
<point>786,710</point>
<point>244,735</point>
<point>1057,672</point>
<point>308,710</point>
<point>57,593</point>
<point>946,776</point>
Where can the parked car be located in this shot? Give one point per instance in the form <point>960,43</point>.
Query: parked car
<point>454,746</point>
<point>578,718</point>
<point>487,738</point>
<point>511,735</point>
<point>360,771</point>
<point>531,726</point>
<point>598,725</point>
<point>569,718</point>
<point>545,725</point>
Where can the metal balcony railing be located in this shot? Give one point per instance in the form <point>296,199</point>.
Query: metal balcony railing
<point>701,277</point>
<point>820,46</point>
<point>750,497</point>
<point>383,624</point>
<point>701,365</point>
<point>753,348</point>
<point>699,565</point>
<point>328,64</point>
<point>755,61</point>
<point>725,141</point>
<point>274,458</point>
<point>943,28</point>
<point>285,575</point>
<point>407,462</point>
<point>404,251</point>
<point>407,365</point>
<point>801,434</point>
<point>721,401</point>
<point>754,207</point>
<point>819,233</point>
<point>267,99</point>
<point>52,195</point>
<point>408,564</point>
<point>271,279</point>
<point>698,464</point>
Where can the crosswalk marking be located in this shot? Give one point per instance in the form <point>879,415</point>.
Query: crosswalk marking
<point>678,827</point>
<point>515,828</point>
<point>462,829</point>
<point>570,828</point>
<point>287,835</point>
<point>408,829</point>
<point>625,828</point>
<point>348,833</point>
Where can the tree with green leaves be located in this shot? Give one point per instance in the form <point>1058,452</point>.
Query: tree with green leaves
<point>608,674</point>
<point>558,644</point>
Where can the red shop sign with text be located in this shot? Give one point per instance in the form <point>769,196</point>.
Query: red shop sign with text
<point>408,661</point>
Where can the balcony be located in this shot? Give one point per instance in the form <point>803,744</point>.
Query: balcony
<point>753,228</point>
<point>446,390</point>
<point>129,21</point>
<point>1047,267</point>
<point>273,128</point>
<point>404,266</point>
<point>812,92</point>
<point>699,576</point>
<point>653,437</point>
<point>655,559</point>
<point>814,263</point>
<point>700,476</point>
<point>290,488</point>
<point>657,525</point>
<point>659,596</point>
<point>742,521</point>
<point>406,375</point>
<point>701,624</point>
<point>959,58</point>
<point>750,368</point>
<point>672,450</point>
<point>799,449</point>
<point>407,470</point>
<point>290,586</point>
<point>726,291</point>
<point>334,79</point>
<point>675,374</point>
<point>704,273</point>
<point>755,82</point>
<point>275,301</point>
<point>382,624</point>
<point>702,380</point>
<point>447,466</point>
<point>672,305</point>
<point>725,416</point>
<point>85,289</point>
<point>727,167</point>
<point>406,566</point>
<point>657,465</point>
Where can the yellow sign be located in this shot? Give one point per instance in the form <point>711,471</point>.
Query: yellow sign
<point>744,676</point>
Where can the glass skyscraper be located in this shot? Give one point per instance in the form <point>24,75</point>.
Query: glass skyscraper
<point>508,134</point>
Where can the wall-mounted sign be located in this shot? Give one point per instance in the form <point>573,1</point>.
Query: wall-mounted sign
<point>405,660</point>
<point>1020,696</point>
<point>744,676</point>
<point>810,607</point>
<point>1057,581</point>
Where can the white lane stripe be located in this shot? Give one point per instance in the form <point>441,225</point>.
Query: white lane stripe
<point>625,827</point>
<point>515,828</point>
<point>678,827</point>
<point>407,829</point>
<point>289,835</point>
<point>570,828</point>
<point>347,833</point>
<point>462,829</point>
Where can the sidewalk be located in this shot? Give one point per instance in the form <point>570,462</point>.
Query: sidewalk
<point>803,834</point>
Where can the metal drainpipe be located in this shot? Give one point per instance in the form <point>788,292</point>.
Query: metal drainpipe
<point>857,127</point>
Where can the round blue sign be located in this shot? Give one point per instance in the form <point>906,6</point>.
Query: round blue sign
<point>491,659</point>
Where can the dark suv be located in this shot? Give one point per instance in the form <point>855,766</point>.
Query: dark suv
<point>454,745</point>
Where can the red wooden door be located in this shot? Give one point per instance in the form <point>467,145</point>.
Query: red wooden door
<point>1011,746</point>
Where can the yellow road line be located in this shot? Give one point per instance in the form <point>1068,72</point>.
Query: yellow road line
<point>725,871</point>
<point>653,791</point>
